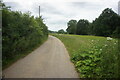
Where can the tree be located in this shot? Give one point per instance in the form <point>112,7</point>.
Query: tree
<point>82,27</point>
<point>106,23</point>
<point>61,31</point>
<point>71,27</point>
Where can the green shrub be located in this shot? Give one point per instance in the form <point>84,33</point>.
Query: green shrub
<point>21,33</point>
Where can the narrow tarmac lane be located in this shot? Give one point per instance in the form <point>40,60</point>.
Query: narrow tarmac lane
<point>50,60</point>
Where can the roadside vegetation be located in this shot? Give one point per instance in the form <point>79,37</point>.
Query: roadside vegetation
<point>21,33</point>
<point>93,56</point>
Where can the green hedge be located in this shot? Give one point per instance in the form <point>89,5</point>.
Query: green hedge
<point>21,32</point>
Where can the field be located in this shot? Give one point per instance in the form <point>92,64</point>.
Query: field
<point>93,56</point>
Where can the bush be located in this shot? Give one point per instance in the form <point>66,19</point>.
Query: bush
<point>21,32</point>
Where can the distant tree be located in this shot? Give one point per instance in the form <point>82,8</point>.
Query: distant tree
<point>52,31</point>
<point>90,27</point>
<point>106,23</point>
<point>71,27</point>
<point>82,27</point>
<point>61,31</point>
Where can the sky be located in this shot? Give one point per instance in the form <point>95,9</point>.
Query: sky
<point>56,13</point>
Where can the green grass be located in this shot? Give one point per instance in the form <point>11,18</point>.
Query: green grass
<point>93,56</point>
<point>80,43</point>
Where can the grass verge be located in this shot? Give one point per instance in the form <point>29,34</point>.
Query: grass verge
<point>93,56</point>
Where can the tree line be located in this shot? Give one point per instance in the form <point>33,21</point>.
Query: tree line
<point>21,33</point>
<point>107,24</point>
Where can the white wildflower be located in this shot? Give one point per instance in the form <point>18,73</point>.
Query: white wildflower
<point>105,44</point>
<point>92,40</point>
<point>59,34</point>
<point>114,43</point>
<point>100,49</point>
<point>109,38</point>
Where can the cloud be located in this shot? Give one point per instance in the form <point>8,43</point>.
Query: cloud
<point>56,13</point>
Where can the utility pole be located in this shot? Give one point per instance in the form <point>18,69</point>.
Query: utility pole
<point>39,11</point>
<point>39,15</point>
<point>119,7</point>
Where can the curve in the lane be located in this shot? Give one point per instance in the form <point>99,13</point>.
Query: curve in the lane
<point>50,60</point>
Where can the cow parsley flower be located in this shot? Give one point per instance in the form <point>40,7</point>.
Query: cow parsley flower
<point>114,43</point>
<point>109,38</point>
<point>106,45</point>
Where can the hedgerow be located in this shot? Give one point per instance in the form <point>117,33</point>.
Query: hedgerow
<point>21,33</point>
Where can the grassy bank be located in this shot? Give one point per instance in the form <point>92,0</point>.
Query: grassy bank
<point>93,57</point>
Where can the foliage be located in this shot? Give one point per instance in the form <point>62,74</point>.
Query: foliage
<point>93,57</point>
<point>107,24</point>
<point>82,27</point>
<point>61,31</point>
<point>71,27</point>
<point>87,63</point>
<point>52,31</point>
<point>21,32</point>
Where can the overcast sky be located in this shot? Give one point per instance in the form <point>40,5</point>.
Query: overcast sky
<point>57,13</point>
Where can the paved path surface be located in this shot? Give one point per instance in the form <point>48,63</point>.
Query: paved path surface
<point>50,60</point>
